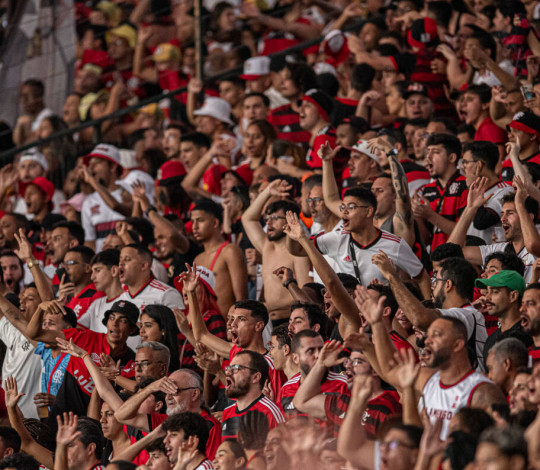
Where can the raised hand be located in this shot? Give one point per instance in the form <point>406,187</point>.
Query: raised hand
<point>371,309</point>
<point>69,347</point>
<point>328,356</point>
<point>65,289</point>
<point>431,443</point>
<point>190,278</point>
<point>24,251</point>
<point>385,264</point>
<point>446,51</point>
<point>195,85</point>
<point>207,359</point>
<point>408,368</point>
<point>44,399</point>
<point>513,148</point>
<point>476,198</point>
<point>293,229</point>
<point>362,389</point>
<point>8,177</point>
<point>67,429</point>
<point>279,188</point>
<point>53,307</point>
<point>357,340</point>
<point>267,390</point>
<point>369,98</point>
<point>12,392</point>
<point>420,207</point>
<point>326,153</point>
<point>284,274</point>
<point>108,367</point>
<point>379,143</point>
<point>181,321</point>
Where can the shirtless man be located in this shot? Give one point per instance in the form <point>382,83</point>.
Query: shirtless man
<point>224,259</point>
<point>272,245</point>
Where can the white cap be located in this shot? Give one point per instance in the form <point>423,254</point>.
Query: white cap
<point>36,156</point>
<point>324,67</point>
<point>362,147</point>
<point>105,151</point>
<point>217,108</point>
<point>256,67</point>
<point>138,175</point>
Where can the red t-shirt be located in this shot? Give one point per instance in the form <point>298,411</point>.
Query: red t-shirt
<point>327,134</point>
<point>80,303</point>
<point>488,130</point>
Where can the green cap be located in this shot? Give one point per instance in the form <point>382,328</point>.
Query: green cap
<point>505,278</point>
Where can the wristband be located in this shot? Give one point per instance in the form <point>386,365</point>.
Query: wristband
<point>392,153</point>
<point>84,355</point>
<point>289,281</point>
<point>150,209</point>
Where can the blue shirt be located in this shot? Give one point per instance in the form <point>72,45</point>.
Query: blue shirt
<point>49,364</point>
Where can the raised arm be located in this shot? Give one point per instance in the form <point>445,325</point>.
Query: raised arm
<point>309,399</point>
<point>512,150</point>
<point>137,447</point>
<point>65,436</point>
<point>251,218</point>
<point>15,317</point>
<point>35,330</point>
<point>341,298</point>
<point>531,238</point>
<point>331,196</point>
<point>200,330</point>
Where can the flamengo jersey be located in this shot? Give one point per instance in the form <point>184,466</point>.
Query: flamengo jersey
<point>154,292</point>
<point>206,464</point>
<point>444,401</point>
<point>498,190</point>
<point>417,175</point>
<point>506,247</point>
<point>93,317</point>
<point>98,219</point>
<point>333,384</point>
<point>263,405</point>
<point>287,125</point>
<point>336,245</point>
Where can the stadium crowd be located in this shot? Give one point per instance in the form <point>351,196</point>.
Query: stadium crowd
<point>321,259</point>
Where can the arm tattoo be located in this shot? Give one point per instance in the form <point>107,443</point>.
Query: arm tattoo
<point>401,186</point>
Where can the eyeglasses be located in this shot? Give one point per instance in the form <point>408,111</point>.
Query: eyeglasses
<point>180,390</point>
<point>467,162</point>
<point>71,262</point>
<point>436,279</point>
<point>351,206</point>
<point>352,362</point>
<point>315,200</point>
<point>234,368</point>
<point>274,218</point>
<point>394,444</point>
<point>144,364</point>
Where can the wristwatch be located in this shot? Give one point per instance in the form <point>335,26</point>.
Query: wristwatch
<point>392,153</point>
<point>33,262</point>
<point>289,281</point>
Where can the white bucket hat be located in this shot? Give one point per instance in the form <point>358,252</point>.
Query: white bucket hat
<point>217,108</point>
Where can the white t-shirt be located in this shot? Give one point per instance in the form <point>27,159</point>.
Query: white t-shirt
<point>336,245</point>
<point>317,231</point>
<point>495,204</point>
<point>98,219</point>
<point>475,323</point>
<point>21,363</point>
<point>527,258</point>
<point>92,318</point>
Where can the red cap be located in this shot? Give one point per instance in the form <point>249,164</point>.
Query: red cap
<point>423,33</point>
<point>170,169</point>
<point>45,185</point>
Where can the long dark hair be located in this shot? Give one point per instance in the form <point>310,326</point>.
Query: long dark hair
<point>164,317</point>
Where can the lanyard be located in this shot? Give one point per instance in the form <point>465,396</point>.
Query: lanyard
<point>354,262</point>
<point>60,359</point>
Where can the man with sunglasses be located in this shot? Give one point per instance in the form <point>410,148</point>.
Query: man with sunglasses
<point>245,379</point>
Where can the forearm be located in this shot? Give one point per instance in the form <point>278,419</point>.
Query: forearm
<point>456,77</point>
<point>138,58</point>
<point>409,406</point>
<point>509,82</point>
<point>531,238</point>
<point>94,407</point>
<point>294,248</point>
<point>112,202</point>
<point>103,386</point>
<point>254,211</point>
<point>403,218</point>
<point>43,285</point>
<point>303,30</point>
<point>310,387</point>
<point>125,383</point>
<point>442,223</point>
<point>330,188</point>
<point>384,347</point>
<point>418,315</point>
<point>129,409</point>
<point>459,233</point>
<point>60,457</point>
<point>13,314</point>
<point>194,175</point>
<point>352,435</point>
<point>424,284</point>
<point>137,447</point>
<point>496,110</point>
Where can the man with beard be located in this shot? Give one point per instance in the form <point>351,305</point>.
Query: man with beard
<point>449,382</point>
<point>502,300</point>
<point>452,293</point>
<point>306,346</point>
<point>183,392</point>
<point>246,376</point>
<point>272,245</point>
<point>224,259</point>
<point>64,236</point>
<point>516,209</point>
<point>12,271</point>
<point>530,318</point>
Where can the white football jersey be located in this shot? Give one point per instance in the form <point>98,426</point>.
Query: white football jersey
<point>336,246</point>
<point>444,401</point>
<point>92,318</point>
<point>527,258</point>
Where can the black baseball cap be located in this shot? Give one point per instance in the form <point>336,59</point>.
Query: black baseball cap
<point>126,308</point>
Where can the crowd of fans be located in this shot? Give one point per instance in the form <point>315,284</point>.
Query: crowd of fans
<point>324,259</point>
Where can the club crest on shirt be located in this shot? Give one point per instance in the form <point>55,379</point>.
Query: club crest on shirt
<point>454,188</point>
<point>94,210</point>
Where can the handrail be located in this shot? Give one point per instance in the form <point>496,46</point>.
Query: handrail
<point>155,98</point>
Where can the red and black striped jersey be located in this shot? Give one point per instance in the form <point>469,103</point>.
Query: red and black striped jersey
<point>534,355</point>
<point>287,125</point>
<point>80,303</point>
<point>449,202</point>
<point>417,175</point>
<point>262,405</point>
<point>379,409</point>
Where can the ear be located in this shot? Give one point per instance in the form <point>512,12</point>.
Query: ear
<point>240,462</point>
<point>259,326</point>
<point>295,358</point>
<point>387,311</point>
<point>158,406</point>
<point>256,378</point>
<point>459,344</point>
<point>8,451</point>
<point>114,271</point>
<point>370,212</point>
<point>507,363</point>
<point>73,243</point>
<point>317,327</point>
<point>286,349</point>
<point>91,449</point>
<point>452,158</point>
<point>514,296</point>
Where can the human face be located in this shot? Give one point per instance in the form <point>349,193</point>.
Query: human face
<point>497,371</point>
<point>360,165</point>
<point>519,394</point>
<point>307,354</point>
<point>182,400</point>
<point>332,460</point>
<point>439,344</point>
<point>54,322</point>
<point>227,20</point>
<point>102,276</point>
<point>346,136</point>
<point>298,321</point>
<point>113,241</point>
<point>288,88</point>
<point>437,161</point>
<point>254,142</point>
<point>394,100</point>
<point>275,224</point>
<point>230,93</point>
<point>473,109</point>
<point>510,222</point>
<point>29,299</point>
<point>383,191</point>
<point>489,457</point>
<point>356,364</point>
<point>70,111</point>
<point>12,272</point>
<point>174,441</point>
<point>118,329</point>
<point>228,181</point>
<point>205,225</point>
<point>418,106</point>
<point>29,169</point>
<point>225,459</point>
<point>534,385</point>
<point>239,382</point>
<point>190,154</point>
<point>355,219</point>
<point>147,364</point>
<point>317,207</point>
<point>78,455</point>
<point>110,426</point>
<point>30,100</point>
<point>149,329</point>
<point>499,300</point>
<point>530,312</point>
<point>131,266</point>
<point>118,48</point>
<point>274,454</point>
<point>45,129</point>
<point>35,199</point>
<point>254,109</point>
<point>243,326</point>
<point>207,125</point>
<point>158,461</point>
<point>403,320</point>
<point>525,140</point>
<point>500,23</point>
<point>513,102</point>
<point>101,170</point>
<point>8,227</point>
<point>277,353</point>
<point>397,452</point>
<point>164,246</point>
<point>77,270</point>
<point>470,167</point>
<point>309,116</point>
<point>171,143</point>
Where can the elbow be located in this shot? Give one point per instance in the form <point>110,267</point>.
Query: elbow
<point>298,403</point>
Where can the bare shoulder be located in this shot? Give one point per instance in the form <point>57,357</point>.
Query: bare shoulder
<point>232,250</point>
<point>487,394</point>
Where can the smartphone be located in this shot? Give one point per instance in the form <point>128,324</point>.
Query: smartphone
<point>527,91</point>
<point>60,272</point>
